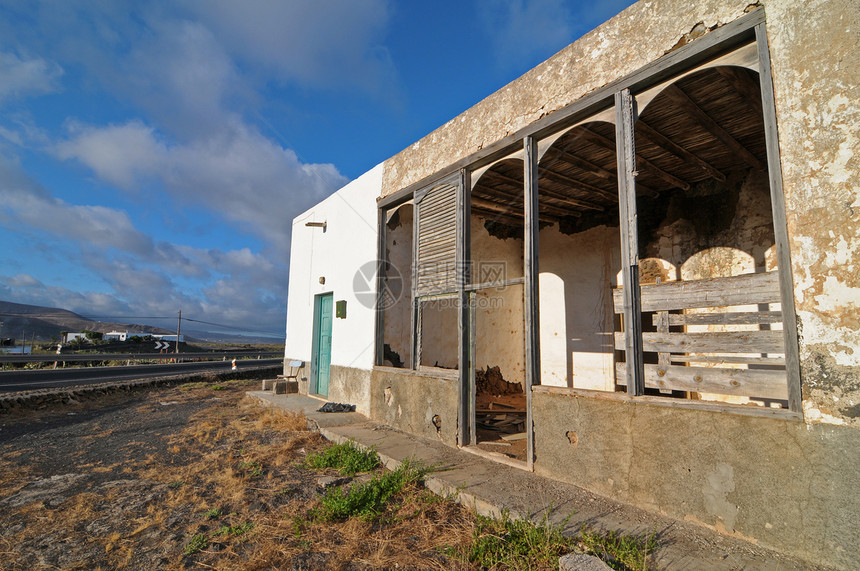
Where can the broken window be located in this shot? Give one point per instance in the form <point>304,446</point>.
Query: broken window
<point>579,255</point>
<point>709,289</point>
<point>496,307</point>
<point>395,300</point>
<point>435,276</point>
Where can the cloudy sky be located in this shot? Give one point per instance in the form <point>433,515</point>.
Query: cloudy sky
<point>153,153</point>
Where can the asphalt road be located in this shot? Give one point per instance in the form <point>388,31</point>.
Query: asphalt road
<point>52,378</point>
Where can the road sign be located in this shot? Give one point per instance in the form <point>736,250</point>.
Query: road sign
<point>159,345</point>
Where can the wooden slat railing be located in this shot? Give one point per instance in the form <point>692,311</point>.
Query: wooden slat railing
<point>679,351</point>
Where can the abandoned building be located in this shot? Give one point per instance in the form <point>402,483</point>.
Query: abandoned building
<point>631,269</point>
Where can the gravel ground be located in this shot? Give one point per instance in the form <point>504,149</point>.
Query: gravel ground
<point>191,476</point>
<point>78,482</point>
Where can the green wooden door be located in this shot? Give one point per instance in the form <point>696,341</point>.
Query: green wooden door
<point>322,342</point>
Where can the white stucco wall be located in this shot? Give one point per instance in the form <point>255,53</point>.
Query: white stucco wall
<point>346,247</point>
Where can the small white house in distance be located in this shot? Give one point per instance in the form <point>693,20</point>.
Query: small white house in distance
<point>115,336</point>
<point>632,269</point>
<point>69,337</point>
<point>171,338</point>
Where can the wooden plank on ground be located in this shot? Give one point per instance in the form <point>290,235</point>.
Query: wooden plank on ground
<point>747,289</point>
<point>760,383</point>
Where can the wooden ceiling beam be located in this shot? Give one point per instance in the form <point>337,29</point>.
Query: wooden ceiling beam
<point>677,96</point>
<point>584,186</point>
<point>581,163</point>
<point>745,85</point>
<point>657,138</point>
<point>559,197</point>
<point>602,141</point>
<point>505,178</point>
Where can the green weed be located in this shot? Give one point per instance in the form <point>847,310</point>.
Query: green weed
<point>212,514</point>
<point>368,500</point>
<point>198,542</point>
<point>347,458</point>
<point>234,530</point>
<point>175,485</point>
<point>252,469</point>
<point>515,544</point>
<point>620,552</point>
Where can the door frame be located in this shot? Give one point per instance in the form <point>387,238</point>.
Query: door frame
<point>315,348</point>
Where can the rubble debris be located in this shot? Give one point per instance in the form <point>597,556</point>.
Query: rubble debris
<point>336,407</point>
<point>490,381</point>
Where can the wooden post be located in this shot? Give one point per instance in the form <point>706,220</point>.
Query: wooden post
<point>780,231</point>
<point>625,115</point>
<point>531,269</point>
<point>466,411</point>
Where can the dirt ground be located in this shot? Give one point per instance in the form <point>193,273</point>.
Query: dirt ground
<point>191,476</point>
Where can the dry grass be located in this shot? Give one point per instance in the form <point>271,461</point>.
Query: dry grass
<point>230,490</point>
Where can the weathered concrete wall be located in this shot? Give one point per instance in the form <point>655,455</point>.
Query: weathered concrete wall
<point>728,233</point>
<point>408,401</point>
<point>577,274</point>
<point>783,484</point>
<point>351,386</point>
<point>640,34</point>
<point>815,54</point>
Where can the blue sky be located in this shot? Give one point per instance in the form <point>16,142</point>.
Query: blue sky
<point>153,154</point>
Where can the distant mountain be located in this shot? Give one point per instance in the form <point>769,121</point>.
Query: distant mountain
<point>17,319</point>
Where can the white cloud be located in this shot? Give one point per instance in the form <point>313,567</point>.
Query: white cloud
<point>121,155</point>
<point>146,277</point>
<point>319,43</point>
<point>27,76</point>
<point>238,174</point>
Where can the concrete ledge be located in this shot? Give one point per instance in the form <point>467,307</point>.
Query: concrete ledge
<point>492,489</point>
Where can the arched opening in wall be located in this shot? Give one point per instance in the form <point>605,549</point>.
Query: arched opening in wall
<point>497,318</point>
<point>711,318</point>
<point>579,257</point>
<point>395,299</point>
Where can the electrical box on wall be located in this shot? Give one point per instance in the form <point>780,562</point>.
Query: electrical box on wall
<point>340,309</point>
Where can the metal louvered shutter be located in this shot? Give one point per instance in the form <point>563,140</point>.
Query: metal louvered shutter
<point>436,241</point>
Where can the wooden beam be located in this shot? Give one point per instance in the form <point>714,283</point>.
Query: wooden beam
<point>780,230</point>
<point>531,269</point>
<point>731,318</point>
<point>504,178</point>
<point>546,171</point>
<point>677,96</point>
<point>550,212</point>
<point>581,163</point>
<point>760,383</point>
<point>465,370</point>
<point>711,342</point>
<point>625,116</point>
<point>744,85</point>
<point>667,144</point>
<point>746,289</point>
<point>600,140</point>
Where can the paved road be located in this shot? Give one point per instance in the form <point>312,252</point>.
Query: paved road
<point>44,379</point>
